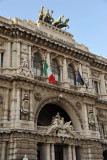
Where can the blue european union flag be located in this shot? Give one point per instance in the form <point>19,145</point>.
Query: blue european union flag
<point>80,80</point>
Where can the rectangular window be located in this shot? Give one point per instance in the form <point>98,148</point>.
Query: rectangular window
<point>96,86</point>
<point>102,129</point>
<point>1,60</point>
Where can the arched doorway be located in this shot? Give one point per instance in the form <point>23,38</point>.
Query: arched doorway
<point>105,155</point>
<point>60,148</point>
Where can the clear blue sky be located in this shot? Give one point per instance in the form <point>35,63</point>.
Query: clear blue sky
<point>88,18</point>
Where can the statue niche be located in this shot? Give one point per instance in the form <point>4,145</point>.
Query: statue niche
<point>25,108</point>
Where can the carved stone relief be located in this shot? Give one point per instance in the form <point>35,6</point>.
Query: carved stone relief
<point>59,128</point>
<point>91,118</point>
<point>78,104</point>
<point>37,97</point>
<point>24,70</point>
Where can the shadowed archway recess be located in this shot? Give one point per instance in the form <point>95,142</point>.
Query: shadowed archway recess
<point>49,111</point>
<point>105,155</point>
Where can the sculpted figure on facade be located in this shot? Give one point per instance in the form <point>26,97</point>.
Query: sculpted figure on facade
<point>25,107</point>
<point>24,70</point>
<point>59,127</point>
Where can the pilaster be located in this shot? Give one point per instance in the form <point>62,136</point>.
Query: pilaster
<point>85,115</point>
<point>18,54</point>
<point>6,105</point>
<point>30,58</point>
<point>17,112</point>
<point>12,107</point>
<point>8,55</point>
<point>65,76</point>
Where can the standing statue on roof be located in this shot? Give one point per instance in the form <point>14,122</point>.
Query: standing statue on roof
<point>41,13</point>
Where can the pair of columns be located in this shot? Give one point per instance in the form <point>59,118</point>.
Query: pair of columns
<point>48,152</point>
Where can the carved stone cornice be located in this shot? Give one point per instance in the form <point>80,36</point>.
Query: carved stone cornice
<point>16,31</point>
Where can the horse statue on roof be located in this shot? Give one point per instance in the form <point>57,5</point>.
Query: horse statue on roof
<point>55,23</point>
<point>63,24</point>
<point>47,17</point>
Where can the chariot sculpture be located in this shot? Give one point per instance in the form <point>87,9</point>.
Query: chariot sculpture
<point>47,17</point>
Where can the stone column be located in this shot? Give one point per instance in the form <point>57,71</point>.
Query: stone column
<point>30,58</point>
<point>46,151</point>
<point>18,54</point>
<point>3,151</point>
<point>52,152</point>
<point>8,55</point>
<point>65,153</point>
<point>74,153</point>
<point>69,153</point>
<point>6,104</point>
<point>65,75</point>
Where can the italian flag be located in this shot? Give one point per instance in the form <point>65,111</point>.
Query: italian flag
<point>48,72</point>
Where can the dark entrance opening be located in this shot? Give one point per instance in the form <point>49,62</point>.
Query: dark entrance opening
<point>58,152</point>
<point>48,111</point>
<point>78,153</point>
<point>105,155</point>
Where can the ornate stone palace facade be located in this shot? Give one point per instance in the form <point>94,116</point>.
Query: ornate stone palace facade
<point>60,121</point>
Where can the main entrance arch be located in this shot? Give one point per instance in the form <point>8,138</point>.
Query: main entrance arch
<point>66,106</point>
<point>58,122</point>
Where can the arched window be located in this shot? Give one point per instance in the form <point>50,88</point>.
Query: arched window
<point>55,70</point>
<point>71,75</point>
<point>37,65</point>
